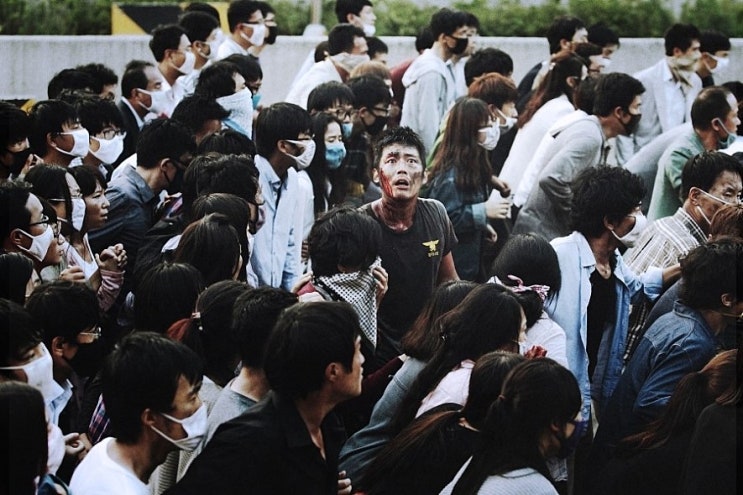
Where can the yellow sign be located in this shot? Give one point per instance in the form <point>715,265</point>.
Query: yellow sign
<point>143,18</point>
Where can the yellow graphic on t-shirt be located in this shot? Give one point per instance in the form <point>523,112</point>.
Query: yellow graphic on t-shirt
<point>432,247</point>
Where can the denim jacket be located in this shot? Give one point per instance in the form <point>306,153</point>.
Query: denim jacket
<point>570,311</point>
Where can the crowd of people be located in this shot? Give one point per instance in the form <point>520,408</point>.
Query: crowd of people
<point>424,278</point>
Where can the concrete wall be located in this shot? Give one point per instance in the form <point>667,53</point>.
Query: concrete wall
<point>28,62</point>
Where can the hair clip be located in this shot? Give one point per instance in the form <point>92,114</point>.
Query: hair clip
<point>541,290</point>
<point>196,317</point>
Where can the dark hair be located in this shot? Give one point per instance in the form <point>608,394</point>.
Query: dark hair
<point>404,136</point>
<point>165,37</point>
<point>305,340</point>
<point>341,38</point>
<point>195,110</point>
<point>680,36</point>
<point>23,416</point>
<point>216,80</point>
<point>247,66</point>
<point>460,149</point>
<point>420,342</point>
<point>19,332</point>
<point>47,117</point>
<point>16,269</point>
<point>345,7</point>
<point>217,173</point>
<point>536,394</point>
<point>711,270</point>
<point>87,179</point>
<point>584,96</point>
<point>318,171</point>
<point>74,79</point>
<point>198,25</point>
<point>493,89</point>
<point>227,141</point>
<point>692,394</point>
<point>369,91</point>
<point>703,170</point>
<point>562,28</point>
<point>134,77</point>
<point>321,51</point>
<point>424,39</point>
<point>603,191</point>
<point>531,258</point>
<point>207,331</point>
<point>15,125</point>
<point>446,21</point>
<point>50,182</point>
<point>95,113</point>
<point>711,103</point>
<point>240,11</point>
<point>279,121</point>
<point>586,50</point>
<point>615,90</point>
<point>602,35</point>
<point>63,309</point>
<point>100,74</point>
<point>487,319</point>
<point>238,212</point>
<point>711,41</point>
<point>375,46</point>
<point>203,7</point>
<point>165,293</point>
<point>327,94</point>
<point>727,221</point>
<point>425,437</point>
<point>486,61</point>
<point>563,66</point>
<point>211,245</point>
<point>143,372</point>
<point>13,211</point>
<point>253,317</point>
<point>343,236</point>
<point>163,138</point>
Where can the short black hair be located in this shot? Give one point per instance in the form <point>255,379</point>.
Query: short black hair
<point>585,94</point>
<point>211,244</point>
<point>711,270</point>
<point>345,7</point>
<point>343,236</point>
<point>446,21</point>
<point>253,317</point>
<point>15,125</point>
<point>369,91</point>
<point>87,179</point>
<point>63,309</point>
<point>305,340</point>
<point>531,258</point>
<point>327,94</point>
<point>240,12</point>
<point>602,35</point>
<point>216,80</point>
<point>487,60</point>
<point>74,79</point>
<point>341,38</point>
<point>711,103</point>
<point>13,211</point>
<point>562,28</point>
<point>614,90</point>
<point>164,294</point>
<point>163,138</point>
<point>398,135</point>
<point>47,117</point>
<point>680,36</point>
<point>279,121</point>
<point>198,25</point>
<point>195,110</point>
<point>375,45</point>
<point>19,332</point>
<point>227,141</point>
<point>50,181</point>
<point>16,269</point>
<point>134,77</point>
<point>96,113</point>
<point>711,41</point>
<point>203,7</point>
<point>247,66</point>
<point>603,192</point>
<point>101,76</point>
<point>424,39</point>
<point>702,170</point>
<point>165,37</point>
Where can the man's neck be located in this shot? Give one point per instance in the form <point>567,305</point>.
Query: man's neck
<point>691,211</point>
<point>603,247</point>
<point>169,73</point>
<point>440,51</point>
<point>716,321</point>
<point>141,458</point>
<point>608,127</point>
<point>138,109</point>
<point>252,383</point>
<point>54,157</point>
<point>151,177</point>
<point>708,138</point>
<point>313,409</point>
<point>244,44</point>
<point>397,215</point>
<point>277,162</point>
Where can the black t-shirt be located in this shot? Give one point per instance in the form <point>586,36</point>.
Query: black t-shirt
<point>412,259</point>
<point>600,312</point>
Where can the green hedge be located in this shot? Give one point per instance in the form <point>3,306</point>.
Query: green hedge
<point>630,18</point>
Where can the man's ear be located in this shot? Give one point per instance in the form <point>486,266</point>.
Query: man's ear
<point>375,175</point>
<point>332,372</point>
<point>50,139</point>
<point>727,300</point>
<point>147,417</point>
<point>16,237</point>
<point>608,224</point>
<point>58,346</point>
<point>694,193</point>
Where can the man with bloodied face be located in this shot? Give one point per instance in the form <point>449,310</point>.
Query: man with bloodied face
<point>417,238</point>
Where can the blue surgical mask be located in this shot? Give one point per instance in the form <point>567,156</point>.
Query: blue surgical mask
<point>334,154</point>
<point>256,100</point>
<point>346,129</point>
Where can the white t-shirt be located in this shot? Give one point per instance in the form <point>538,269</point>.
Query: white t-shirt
<point>99,474</point>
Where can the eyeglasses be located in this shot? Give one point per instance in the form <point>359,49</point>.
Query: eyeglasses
<point>384,111</point>
<point>45,220</point>
<point>341,113</point>
<point>109,134</point>
<point>90,335</point>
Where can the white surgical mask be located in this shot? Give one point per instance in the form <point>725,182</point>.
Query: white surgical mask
<point>108,149</point>
<point>39,244</point>
<point>159,101</point>
<point>605,62</point>
<point>78,213</point>
<point>308,153</point>
<point>369,30</point>
<point>39,374</point>
<point>240,106</point>
<point>194,426</point>
<point>722,63</point>
<point>630,238</point>
<point>213,48</point>
<point>510,121</point>
<point>492,135</point>
<point>188,64</point>
<point>81,140</point>
<point>259,34</point>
